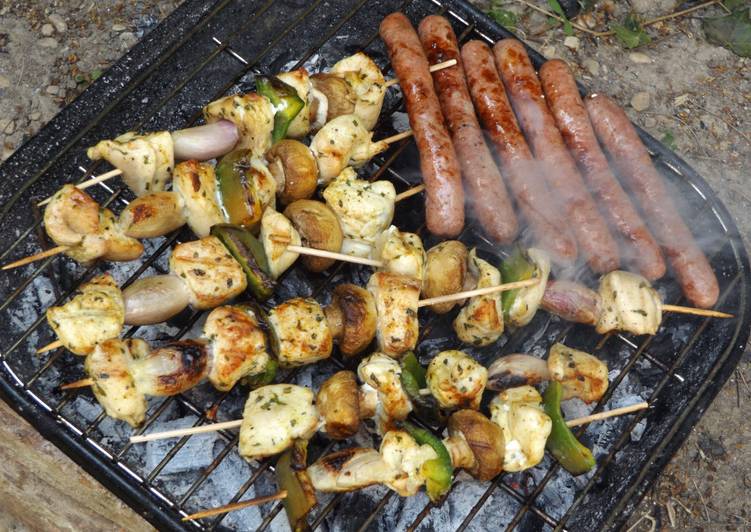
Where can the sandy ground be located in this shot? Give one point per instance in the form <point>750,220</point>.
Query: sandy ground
<point>678,86</point>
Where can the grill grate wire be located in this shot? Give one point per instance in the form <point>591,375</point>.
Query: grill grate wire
<point>527,502</point>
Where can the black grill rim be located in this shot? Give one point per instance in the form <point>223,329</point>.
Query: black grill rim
<point>146,54</point>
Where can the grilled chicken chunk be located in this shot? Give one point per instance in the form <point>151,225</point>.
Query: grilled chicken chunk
<point>172,368</point>
<point>274,416</point>
<point>396,298</point>
<point>300,81</point>
<point>195,183</point>
<point>401,253</point>
<point>526,427</point>
<point>209,271</point>
<point>109,367</point>
<point>480,322</point>
<point>253,115</point>
<point>352,318</point>
<point>277,234</point>
<point>338,402</point>
<point>366,83</point>
<point>383,374</point>
<point>299,332</point>
<point>403,454</point>
<point>146,161</point>
<point>96,313</point>
<point>445,273</point>
<point>349,470</point>
<point>153,215</point>
<point>74,219</point>
<point>343,142</point>
<point>580,374</point>
<point>456,380</point>
<point>527,300</point>
<point>237,344</point>
<point>364,209</point>
<point>629,303</point>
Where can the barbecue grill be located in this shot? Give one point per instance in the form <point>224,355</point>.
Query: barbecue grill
<point>208,48</point>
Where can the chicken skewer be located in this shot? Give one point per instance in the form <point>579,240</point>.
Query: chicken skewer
<point>455,458</point>
<point>237,192</point>
<point>355,85</point>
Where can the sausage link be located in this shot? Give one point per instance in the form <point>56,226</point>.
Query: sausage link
<point>638,246</point>
<point>482,180</point>
<point>632,162</point>
<point>595,241</point>
<point>444,196</point>
<point>535,202</point>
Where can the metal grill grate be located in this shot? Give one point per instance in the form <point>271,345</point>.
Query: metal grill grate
<point>206,49</point>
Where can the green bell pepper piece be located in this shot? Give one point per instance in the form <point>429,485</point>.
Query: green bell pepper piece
<point>237,194</point>
<point>518,267</point>
<point>291,475</point>
<point>287,103</point>
<point>413,380</point>
<point>267,376</point>
<point>562,443</point>
<point>438,472</point>
<point>248,251</point>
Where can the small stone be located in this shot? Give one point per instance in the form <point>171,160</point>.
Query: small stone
<point>571,42</point>
<point>4,82</point>
<point>640,58</point>
<point>119,27</point>
<point>592,66</point>
<point>681,100</point>
<point>4,123</point>
<point>48,29</point>
<point>10,128</point>
<point>53,90</point>
<point>58,22</point>
<point>36,115</point>
<point>640,101</point>
<point>650,122</point>
<point>47,42</point>
<point>549,52</point>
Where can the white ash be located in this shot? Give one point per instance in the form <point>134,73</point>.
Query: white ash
<point>196,453</point>
<point>400,121</point>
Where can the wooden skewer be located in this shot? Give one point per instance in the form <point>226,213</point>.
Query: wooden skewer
<point>433,68</point>
<point>81,383</point>
<point>89,182</point>
<point>696,311</point>
<point>49,347</point>
<point>477,292</point>
<point>332,255</point>
<point>281,494</point>
<point>409,193</point>
<point>37,256</point>
<point>397,137</point>
<point>202,429</point>
<point>610,413</point>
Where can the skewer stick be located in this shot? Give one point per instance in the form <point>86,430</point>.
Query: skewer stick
<point>89,182</point>
<point>610,413</point>
<point>81,383</point>
<point>696,311</point>
<point>237,422</point>
<point>433,68</point>
<point>281,494</point>
<point>409,192</point>
<point>477,292</point>
<point>397,137</point>
<point>332,255</point>
<point>49,347</point>
<point>37,256</point>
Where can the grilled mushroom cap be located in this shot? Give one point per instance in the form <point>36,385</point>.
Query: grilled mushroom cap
<point>338,402</point>
<point>318,228</point>
<point>484,437</point>
<point>294,168</point>
<point>352,318</point>
<point>445,271</point>
<point>338,92</point>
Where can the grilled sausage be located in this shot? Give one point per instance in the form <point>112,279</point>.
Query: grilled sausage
<point>638,246</point>
<point>533,198</point>
<point>482,180</point>
<point>633,163</point>
<point>595,241</point>
<point>444,196</point>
